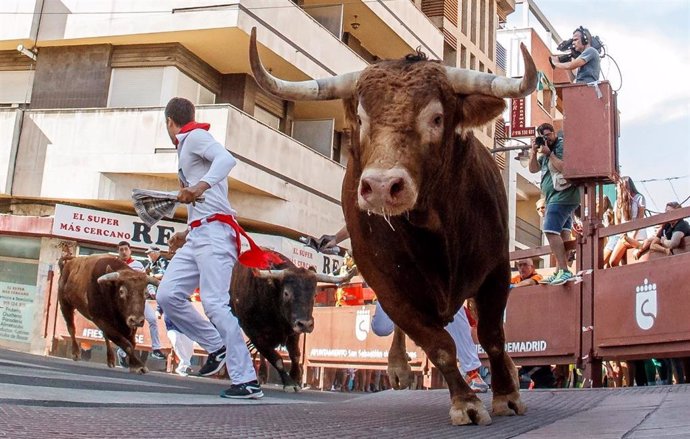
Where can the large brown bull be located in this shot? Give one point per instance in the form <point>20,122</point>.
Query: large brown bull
<point>274,307</point>
<point>110,294</point>
<point>425,206</point>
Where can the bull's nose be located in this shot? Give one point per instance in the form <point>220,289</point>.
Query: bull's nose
<point>382,187</point>
<point>303,326</point>
<point>135,322</point>
<point>389,189</point>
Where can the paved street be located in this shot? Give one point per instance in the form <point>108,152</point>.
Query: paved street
<point>56,398</point>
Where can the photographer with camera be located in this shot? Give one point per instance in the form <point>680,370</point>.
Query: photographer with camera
<point>583,57</point>
<point>562,198</point>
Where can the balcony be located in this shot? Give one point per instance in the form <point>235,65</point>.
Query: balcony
<point>298,46</point>
<point>16,22</point>
<point>379,28</point>
<point>96,156</point>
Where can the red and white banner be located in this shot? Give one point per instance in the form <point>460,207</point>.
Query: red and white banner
<point>110,228</point>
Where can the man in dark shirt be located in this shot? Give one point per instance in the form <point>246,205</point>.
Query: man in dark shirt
<point>668,237</point>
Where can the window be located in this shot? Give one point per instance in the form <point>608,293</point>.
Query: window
<point>267,117</point>
<point>15,86</point>
<point>153,87</point>
<point>317,134</point>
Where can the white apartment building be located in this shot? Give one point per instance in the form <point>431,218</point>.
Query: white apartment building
<point>83,85</point>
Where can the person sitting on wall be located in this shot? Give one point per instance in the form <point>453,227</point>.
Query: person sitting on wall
<point>668,237</point>
<point>526,274</point>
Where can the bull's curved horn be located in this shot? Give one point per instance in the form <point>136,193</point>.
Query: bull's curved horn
<point>108,277</point>
<point>336,279</point>
<point>472,82</point>
<point>336,87</point>
<point>153,281</point>
<point>270,274</point>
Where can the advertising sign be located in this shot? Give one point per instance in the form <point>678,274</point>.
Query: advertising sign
<point>517,120</point>
<point>110,228</point>
<point>17,307</point>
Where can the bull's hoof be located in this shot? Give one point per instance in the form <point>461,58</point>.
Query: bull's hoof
<point>508,405</point>
<point>139,370</point>
<point>111,364</point>
<point>469,412</point>
<point>76,356</point>
<point>291,388</point>
<point>401,376</point>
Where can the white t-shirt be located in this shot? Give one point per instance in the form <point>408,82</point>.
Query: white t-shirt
<point>637,203</point>
<point>136,265</point>
<point>201,157</point>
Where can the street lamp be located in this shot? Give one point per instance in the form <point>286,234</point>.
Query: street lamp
<point>523,155</point>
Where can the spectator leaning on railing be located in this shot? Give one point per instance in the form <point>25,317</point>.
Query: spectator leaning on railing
<point>668,237</point>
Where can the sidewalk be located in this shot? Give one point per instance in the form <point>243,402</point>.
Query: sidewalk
<point>56,398</point>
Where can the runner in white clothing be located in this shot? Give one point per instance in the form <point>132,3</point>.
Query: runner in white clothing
<point>208,252</point>
<point>125,253</point>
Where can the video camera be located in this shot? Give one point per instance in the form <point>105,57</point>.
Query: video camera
<point>567,45</point>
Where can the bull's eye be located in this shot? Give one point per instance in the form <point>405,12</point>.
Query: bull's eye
<point>359,121</point>
<point>287,295</point>
<point>438,120</point>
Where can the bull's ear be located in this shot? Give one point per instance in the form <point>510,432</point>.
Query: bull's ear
<point>108,269</point>
<point>477,110</point>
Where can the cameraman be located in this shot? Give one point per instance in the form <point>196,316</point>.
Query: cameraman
<point>547,154</point>
<point>587,64</point>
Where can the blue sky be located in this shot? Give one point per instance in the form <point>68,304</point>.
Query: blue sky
<point>650,41</point>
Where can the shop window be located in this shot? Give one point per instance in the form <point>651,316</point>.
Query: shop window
<point>23,248</point>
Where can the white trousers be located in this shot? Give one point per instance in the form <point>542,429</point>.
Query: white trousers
<point>150,316</point>
<point>183,346</point>
<point>459,330</point>
<point>206,261</point>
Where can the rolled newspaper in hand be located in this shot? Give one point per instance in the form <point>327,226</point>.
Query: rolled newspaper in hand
<point>152,206</point>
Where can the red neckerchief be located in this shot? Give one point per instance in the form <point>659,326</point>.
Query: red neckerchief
<point>129,261</point>
<point>191,126</point>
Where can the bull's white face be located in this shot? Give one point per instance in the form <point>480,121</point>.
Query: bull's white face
<point>389,184</point>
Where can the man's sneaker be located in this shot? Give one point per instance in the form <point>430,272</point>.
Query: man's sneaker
<point>157,354</point>
<point>562,277</point>
<point>122,358</point>
<point>549,279</point>
<point>250,390</point>
<point>183,370</point>
<point>476,383</point>
<point>214,363</point>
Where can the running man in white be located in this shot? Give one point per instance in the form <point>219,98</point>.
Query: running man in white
<point>208,252</point>
<point>124,250</point>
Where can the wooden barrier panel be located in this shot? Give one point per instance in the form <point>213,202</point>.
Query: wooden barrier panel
<point>542,324</point>
<point>641,310</point>
<point>85,330</point>
<point>342,338</point>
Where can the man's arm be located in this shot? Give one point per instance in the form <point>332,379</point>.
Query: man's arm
<point>222,163</point>
<point>533,162</point>
<point>570,65</point>
<point>525,283</point>
<point>674,242</point>
<point>328,241</point>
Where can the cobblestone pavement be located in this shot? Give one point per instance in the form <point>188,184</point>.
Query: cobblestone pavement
<point>56,398</point>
